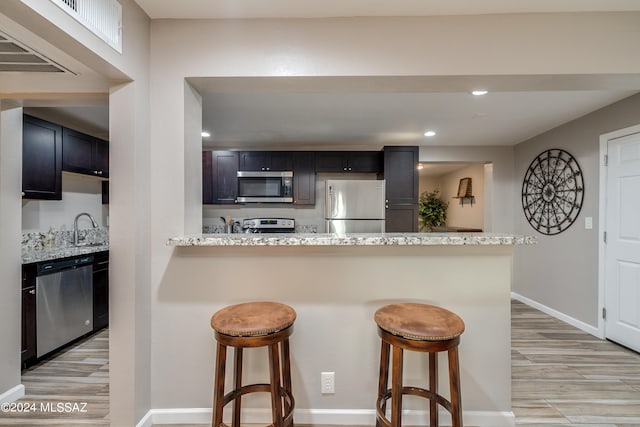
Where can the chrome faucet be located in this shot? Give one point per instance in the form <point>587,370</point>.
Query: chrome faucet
<point>75,226</point>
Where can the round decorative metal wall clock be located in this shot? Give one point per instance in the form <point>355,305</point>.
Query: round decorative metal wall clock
<point>552,192</point>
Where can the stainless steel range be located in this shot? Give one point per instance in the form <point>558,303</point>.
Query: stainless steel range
<point>268,225</point>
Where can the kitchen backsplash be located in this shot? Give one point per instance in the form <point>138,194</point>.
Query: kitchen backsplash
<point>219,229</point>
<point>63,238</point>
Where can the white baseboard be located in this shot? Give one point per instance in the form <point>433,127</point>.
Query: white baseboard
<point>12,394</point>
<point>356,417</point>
<point>593,330</point>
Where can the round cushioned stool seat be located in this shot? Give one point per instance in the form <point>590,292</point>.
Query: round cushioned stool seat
<point>253,319</point>
<point>424,328</point>
<point>421,322</point>
<point>251,325</point>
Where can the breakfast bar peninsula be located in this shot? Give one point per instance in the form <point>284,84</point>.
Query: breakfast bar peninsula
<point>336,283</point>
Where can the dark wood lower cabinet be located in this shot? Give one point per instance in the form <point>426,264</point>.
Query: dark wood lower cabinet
<point>28,346</point>
<point>28,350</point>
<point>100,291</point>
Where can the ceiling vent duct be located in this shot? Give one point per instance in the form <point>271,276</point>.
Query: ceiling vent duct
<point>18,57</point>
<point>101,17</point>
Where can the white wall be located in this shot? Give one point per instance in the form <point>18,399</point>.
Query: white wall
<point>561,271</point>
<point>10,238</point>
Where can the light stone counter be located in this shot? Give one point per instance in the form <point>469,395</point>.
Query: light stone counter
<point>360,239</point>
<point>336,283</point>
<point>38,255</point>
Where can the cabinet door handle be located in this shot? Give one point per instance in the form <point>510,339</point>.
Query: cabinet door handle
<point>32,291</point>
<point>344,169</point>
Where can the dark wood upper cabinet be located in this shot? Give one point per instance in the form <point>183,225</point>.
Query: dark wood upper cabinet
<point>304,178</point>
<point>349,161</point>
<point>401,176</point>
<point>84,154</point>
<point>265,160</point>
<point>41,159</point>
<point>219,177</point>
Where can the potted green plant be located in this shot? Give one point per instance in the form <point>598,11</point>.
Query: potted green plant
<point>432,210</point>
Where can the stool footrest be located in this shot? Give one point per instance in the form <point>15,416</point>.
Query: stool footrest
<point>289,401</point>
<point>381,404</point>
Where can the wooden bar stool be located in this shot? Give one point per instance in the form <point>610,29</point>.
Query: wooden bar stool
<point>254,324</point>
<point>424,328</point>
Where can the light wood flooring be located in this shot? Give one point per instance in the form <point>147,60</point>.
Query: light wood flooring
<point>561,376</point>
<point>566,377</point>
<point>75,377</point>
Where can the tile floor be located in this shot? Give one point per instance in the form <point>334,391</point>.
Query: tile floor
<point>561,377</point>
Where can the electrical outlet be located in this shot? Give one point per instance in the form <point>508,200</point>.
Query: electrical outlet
<point>327,382</point>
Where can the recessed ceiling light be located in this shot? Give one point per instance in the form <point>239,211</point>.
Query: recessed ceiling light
<point>429,133</point>
<point>205,134</point>
<point>479,92</point>
<point>420,166</point>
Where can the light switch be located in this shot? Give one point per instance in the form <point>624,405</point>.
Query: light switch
<point>588,223</point>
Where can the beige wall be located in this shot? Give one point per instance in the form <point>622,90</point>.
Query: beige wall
<point>561,271</point>
<point>130,174</point>
<point>467,215</point>
<point>320,48</point>
<point>10,238</point>
<point>150,197</point>
<point>498,185</point>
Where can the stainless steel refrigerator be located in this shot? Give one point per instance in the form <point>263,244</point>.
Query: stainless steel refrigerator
<point>355,206</point>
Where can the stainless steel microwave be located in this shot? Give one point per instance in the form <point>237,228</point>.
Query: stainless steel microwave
<point>265,187</point>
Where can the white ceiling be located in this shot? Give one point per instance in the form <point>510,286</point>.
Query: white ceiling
<point>376,119</point>
<point>220,9</point>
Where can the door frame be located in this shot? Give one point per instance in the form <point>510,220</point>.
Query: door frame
<point>602,215</point>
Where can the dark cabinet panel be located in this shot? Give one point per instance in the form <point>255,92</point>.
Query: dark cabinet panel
<point>105,192</point>
<point>220,177</point>
<point>401,218</point>
<point>349,161</point>
<point>100,291</point>
<point>84,154</point>
<point>401,176</point>
<point>366,161</point>
<point>102,157</point>
<point>331,161</point>
<point>265,161</point>
<point>28,345</point>
<point>41,159</point>
<point>304,178</point>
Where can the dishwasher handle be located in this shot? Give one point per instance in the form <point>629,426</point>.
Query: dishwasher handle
<point>66,264</point>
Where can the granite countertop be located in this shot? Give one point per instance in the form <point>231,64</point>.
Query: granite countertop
<point>360,239</point>
<point>37,255</point>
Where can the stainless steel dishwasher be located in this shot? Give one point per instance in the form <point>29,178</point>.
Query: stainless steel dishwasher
<point>64,302</point>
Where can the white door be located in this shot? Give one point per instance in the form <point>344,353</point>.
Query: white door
<point>622,250</point>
